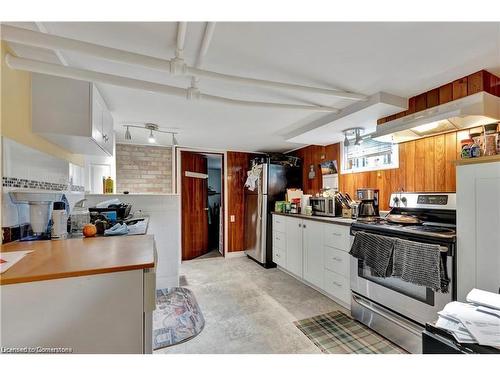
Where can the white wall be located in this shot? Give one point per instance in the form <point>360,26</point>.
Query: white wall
<point>164,223</point>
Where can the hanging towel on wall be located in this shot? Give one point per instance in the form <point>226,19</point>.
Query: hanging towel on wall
<point>252,177</point>
<point>376,251</point>
<point>421,264</point>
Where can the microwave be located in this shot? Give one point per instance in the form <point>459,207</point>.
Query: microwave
<point>322,206</point>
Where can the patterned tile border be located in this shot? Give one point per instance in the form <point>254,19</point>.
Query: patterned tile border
<point>42,185</point>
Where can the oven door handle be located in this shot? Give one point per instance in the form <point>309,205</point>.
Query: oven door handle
<point>384,315</point>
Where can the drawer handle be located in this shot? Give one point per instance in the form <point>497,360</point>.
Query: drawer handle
<point>336,283</point>
<point>337,259</point>
<point>277,255</point>
<point>300,225</point>
<point>337,234</point>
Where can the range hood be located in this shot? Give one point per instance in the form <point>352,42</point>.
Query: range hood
<point>469,112</point>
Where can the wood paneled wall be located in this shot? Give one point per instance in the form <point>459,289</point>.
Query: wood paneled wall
<point>237,166</point>
<point>468,85</point>
<point>424,165</point>
<point>315,155</point>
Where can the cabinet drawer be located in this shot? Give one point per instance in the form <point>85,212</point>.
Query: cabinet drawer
<point>279,257</point>
<point>338,286</point>
<point>337,261</point>
<point>337,236</point>
<point>279,223</point>
<point>279,239</point>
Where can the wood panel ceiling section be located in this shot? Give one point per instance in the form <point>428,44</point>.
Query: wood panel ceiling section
<point>462,87</point>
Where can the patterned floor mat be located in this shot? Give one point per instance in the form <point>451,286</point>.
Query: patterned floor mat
<point>337,333</point>
<point>177,317</point>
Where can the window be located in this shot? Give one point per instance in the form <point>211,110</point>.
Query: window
<point>370,155</point>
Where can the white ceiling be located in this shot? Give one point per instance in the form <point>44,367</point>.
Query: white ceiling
<point>398,58</point>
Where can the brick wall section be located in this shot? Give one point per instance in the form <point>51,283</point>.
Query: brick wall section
<point>143,169</point>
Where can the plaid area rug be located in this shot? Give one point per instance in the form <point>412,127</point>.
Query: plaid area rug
<point>177,317</point>
<point>336,333</point>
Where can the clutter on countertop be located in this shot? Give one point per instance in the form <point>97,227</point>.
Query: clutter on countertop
<point>8,259</point>
<point>477,321</point>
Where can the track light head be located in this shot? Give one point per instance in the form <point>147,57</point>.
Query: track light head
<point>128,136</point>
<point>346,141</point>
<point>151,138</point>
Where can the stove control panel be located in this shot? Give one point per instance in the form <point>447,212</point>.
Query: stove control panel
<point>440,200</point>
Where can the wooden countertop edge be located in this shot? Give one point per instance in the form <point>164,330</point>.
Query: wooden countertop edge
<point>480,160</point>
<point>65,275</point>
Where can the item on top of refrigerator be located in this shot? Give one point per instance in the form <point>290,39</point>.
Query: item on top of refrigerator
<point>465,145</point>
<point>59,228</point>
<point>475,149</point>
<point>490,144</point>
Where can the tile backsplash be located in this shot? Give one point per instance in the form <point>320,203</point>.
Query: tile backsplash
<point>26,168</point>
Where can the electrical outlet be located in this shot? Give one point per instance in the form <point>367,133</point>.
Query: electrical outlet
<point>232,218</point>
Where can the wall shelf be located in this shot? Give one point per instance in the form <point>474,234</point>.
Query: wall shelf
<point>482,159</point>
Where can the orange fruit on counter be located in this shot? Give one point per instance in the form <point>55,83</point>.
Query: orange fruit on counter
<point>89,230</point>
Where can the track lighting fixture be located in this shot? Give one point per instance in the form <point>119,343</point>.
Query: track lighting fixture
<point>152,128</point>
<point>355,133</point>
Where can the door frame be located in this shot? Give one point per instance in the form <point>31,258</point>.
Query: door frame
<point>176,171</point>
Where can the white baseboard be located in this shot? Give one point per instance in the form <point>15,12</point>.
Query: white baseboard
<point>235,254</point>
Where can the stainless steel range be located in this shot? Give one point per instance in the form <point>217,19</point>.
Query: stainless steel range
<point>395,308</point>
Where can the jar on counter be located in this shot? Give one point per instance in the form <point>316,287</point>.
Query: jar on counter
<point>475,149</point>
<point>490,139</point>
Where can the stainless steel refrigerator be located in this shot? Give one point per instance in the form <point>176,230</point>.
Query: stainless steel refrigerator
<point>274,179</point>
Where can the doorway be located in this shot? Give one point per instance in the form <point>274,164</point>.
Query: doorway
<point>202,204</point>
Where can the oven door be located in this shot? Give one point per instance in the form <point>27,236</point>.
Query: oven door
<point>418,303</point>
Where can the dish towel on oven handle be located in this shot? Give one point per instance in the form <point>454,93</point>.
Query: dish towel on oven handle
<point>376,251</point>
<point>421,264</point>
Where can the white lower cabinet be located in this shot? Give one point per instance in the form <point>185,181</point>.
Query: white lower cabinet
<point>314,252</point>
<point>294,246</point>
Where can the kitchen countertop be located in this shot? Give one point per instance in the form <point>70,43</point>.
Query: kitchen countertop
<point>326,219</point>
<point>78,257</point>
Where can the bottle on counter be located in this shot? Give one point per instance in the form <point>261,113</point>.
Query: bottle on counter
<point>108,186</point>
<point>59,228</point>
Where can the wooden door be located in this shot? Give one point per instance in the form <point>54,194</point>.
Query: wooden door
<point>294,235</point>
<point>194,205</point>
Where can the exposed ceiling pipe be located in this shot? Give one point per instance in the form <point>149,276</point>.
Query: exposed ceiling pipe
<point>54,42</point>
<point>37,39</point>
<point>88,75</point>
<point>181,39</point>
<point>58,53</point>
<point>205,44</point>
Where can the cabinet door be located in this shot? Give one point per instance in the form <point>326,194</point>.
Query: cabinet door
<point>107,131</point>
<point>313,252</point>
<point>487,184</point>
<point>294,245</point>
<point>97,117</point>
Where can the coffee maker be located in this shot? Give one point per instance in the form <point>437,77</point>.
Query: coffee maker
<point>368,204</point>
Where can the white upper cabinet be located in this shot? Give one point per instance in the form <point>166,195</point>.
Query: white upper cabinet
<point>72,114</point>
